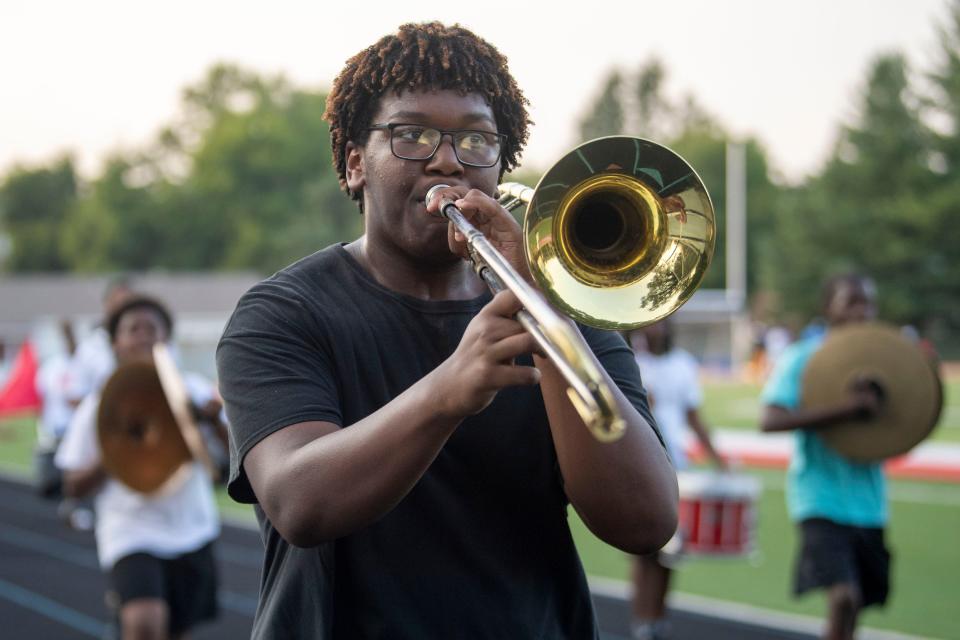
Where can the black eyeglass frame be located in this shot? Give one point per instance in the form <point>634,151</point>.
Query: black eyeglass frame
<point>390,126</point>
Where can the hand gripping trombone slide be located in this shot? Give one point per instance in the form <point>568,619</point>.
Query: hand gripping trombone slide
<point>619,234</point>
<point>558,338</point>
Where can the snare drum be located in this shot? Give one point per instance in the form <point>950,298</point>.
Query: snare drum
<point>717,513</point>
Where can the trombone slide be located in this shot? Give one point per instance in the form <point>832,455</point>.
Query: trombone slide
<point>558,337</point>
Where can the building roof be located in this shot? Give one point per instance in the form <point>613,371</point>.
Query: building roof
<point>27,299</point>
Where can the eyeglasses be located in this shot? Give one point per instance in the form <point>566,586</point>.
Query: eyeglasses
<point>416,142</point>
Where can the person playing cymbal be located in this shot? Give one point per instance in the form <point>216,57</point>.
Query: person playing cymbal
<point>157,548</point>
<point>839,505</point>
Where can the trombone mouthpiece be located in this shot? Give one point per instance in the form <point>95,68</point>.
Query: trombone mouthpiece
<point>430,195</point>
<point>434,189</point>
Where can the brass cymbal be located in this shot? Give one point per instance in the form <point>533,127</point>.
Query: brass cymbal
<point>909,384</point>
<point>178,399</point>
<point>140,440</point>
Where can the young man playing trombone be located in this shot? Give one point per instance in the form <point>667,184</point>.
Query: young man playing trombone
<point>410,453</point>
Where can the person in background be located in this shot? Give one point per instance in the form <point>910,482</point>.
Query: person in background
<point>94,359</point>
<point>672,379</point>
<point>411,453</point>
<point>4,365</point>
<point>776,339</point>
<point>58,386</point>
<point>839,505</point>
<point>56,382</point>
<point>157,549</point>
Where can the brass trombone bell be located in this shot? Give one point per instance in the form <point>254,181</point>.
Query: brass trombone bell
<point>619,232</point>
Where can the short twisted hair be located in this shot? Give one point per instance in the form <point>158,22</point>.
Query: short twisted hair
<point>429,56</point>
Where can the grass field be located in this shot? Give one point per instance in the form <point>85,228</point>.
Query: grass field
<point>923,536</point>
<point>924,533</point>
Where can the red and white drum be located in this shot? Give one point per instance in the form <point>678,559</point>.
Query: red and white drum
<point>717,513</point>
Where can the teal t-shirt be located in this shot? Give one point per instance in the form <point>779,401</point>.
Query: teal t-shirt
<point>821,483</point>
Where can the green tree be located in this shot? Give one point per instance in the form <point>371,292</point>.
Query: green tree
<point>265,179</point>
<point>650,112</point>
<point>868,209</point>
<point>606,116</point>
<point>690,130</point>
<point>115,225</point>
<point>34,202</point>
<point>703,147</point>
<point>887,152</point>
<point>703,144</point>
<point>241,179</point>
<point>940,286</point>
<point>945,100</point>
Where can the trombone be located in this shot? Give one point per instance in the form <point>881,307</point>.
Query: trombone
<point>618,234</point>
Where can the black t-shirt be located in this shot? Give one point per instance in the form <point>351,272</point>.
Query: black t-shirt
<point>480,547</point>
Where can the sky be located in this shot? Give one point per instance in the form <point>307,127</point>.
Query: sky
<point>102,75</point>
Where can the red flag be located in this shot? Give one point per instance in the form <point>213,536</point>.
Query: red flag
<point>19,394</point>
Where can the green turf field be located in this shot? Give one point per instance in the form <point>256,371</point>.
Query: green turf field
<point>923,533</point>
<point>16,444</point>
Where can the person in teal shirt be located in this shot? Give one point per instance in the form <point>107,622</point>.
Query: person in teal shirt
<point>839,505</point>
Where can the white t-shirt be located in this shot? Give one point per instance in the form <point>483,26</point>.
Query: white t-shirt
<point>94,361</point>
<point>57,383</point>
<point>178,518</point>
<point>673,382</point>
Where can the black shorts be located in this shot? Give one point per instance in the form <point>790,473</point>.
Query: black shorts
<point>832,553</point>
<point>187,583</point>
